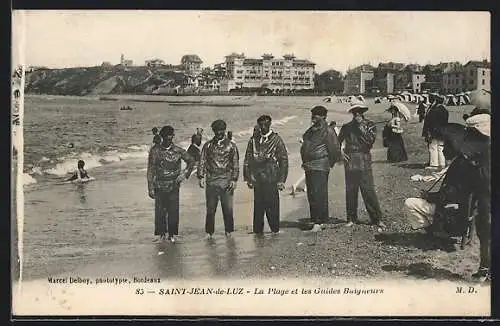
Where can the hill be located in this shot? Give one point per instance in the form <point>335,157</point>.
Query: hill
<point>105,80</point>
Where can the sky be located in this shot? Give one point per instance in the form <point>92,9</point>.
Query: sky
<point>332,39</point>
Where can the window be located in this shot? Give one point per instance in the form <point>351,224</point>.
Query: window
<point>484,72</point>
<point>483,81</point>
<point>472,73</point>
<point>471,82</point>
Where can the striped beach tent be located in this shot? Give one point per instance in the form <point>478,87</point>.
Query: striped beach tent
<point>463,99</point>
<point>450,100</point>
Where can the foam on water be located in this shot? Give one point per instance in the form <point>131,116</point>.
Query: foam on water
<point>28,179</point>
<point>67,164</point>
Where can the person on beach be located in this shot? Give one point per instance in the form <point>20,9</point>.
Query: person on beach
<point>265,170</point>
<point>436,117</point>
<point>359,136</point>
<point>195,148</point>
<point>421,108</point>
<point>333,126</point>
<point>320,151</point>
<point>478,132</point>
<point>156,137</point>
<point>393,139</point>
<point>80,173</point>
<point>164,176</point>
<point>218,173</point>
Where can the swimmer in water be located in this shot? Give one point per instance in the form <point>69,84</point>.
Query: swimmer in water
<point>81,173</point>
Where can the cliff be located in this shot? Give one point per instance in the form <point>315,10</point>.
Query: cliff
<point>104,80</point>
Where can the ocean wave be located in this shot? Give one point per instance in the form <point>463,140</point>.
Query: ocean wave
<point>28,179</point>
<point>67,164</point>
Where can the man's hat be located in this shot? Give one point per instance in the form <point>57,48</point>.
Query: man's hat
<point>476,111</point>
<point>166,131</point>
<point>319,110</point>
<point>480,122</point>
<point>358,106</point>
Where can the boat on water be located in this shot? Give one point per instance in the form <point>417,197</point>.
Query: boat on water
<point>126,108</point>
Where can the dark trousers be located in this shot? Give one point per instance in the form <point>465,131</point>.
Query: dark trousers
<point>167,212</point>
<point>266,200</point>
<point>213,194</point>
<point>354,182</point>
<point>483,229</point>
<point>317,195</point>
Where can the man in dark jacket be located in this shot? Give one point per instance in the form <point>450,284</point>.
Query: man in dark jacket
<point>359,136</point>
<point>164,177</point>
<point>320,151</point>
<point>478,133</point>
<point>265,170</point>
<point>219,166</point>
<point>436,117</point>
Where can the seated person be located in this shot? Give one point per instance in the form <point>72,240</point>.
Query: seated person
<point>444,212</point>
<point>80,173</point>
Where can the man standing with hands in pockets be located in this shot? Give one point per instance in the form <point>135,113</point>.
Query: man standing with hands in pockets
<point>218,173</point>
<point>265,170</point>
<point>359,136</point>
<point>319,152</point>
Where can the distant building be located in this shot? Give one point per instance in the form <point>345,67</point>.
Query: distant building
<point>106,64</point>
<point>453,80</point>
<point>477,75</point>
<point>191,63</point>
<point>154,63</point>
<point>410,79</point>
<point>287,73</point>
<point>359,80</point>
<point>384,76</point>
<point>124,62</point>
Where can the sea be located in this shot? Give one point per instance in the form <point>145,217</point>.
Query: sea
<point>108,224</point>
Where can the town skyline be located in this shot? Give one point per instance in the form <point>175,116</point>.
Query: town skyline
<point>65,39</point>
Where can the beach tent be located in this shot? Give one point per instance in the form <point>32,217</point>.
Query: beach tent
<point>463,99</point>
<point>425,98</point>
<point>450,100</point>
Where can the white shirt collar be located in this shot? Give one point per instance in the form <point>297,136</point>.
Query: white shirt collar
<point>263,138</point>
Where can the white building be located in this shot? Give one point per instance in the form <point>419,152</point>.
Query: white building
<point>287,73</point>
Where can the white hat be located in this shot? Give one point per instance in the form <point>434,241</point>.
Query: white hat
<point>358,104</point>
<point>481,122</point>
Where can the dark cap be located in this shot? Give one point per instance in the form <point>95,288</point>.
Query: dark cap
<point>81,163</point>
<point>219,125</point>
<point>263,118</point>
<point>319,110</point>
<point>166,131</point>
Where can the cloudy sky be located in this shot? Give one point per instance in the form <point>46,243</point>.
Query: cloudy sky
<point>334,39</point>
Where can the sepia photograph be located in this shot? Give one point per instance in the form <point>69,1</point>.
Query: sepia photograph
<point>251,163</point>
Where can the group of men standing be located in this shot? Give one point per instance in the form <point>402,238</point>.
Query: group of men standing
<point>265,170</point>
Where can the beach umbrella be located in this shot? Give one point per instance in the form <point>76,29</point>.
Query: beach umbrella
<point>403,109</point>
<point>481,98</point>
